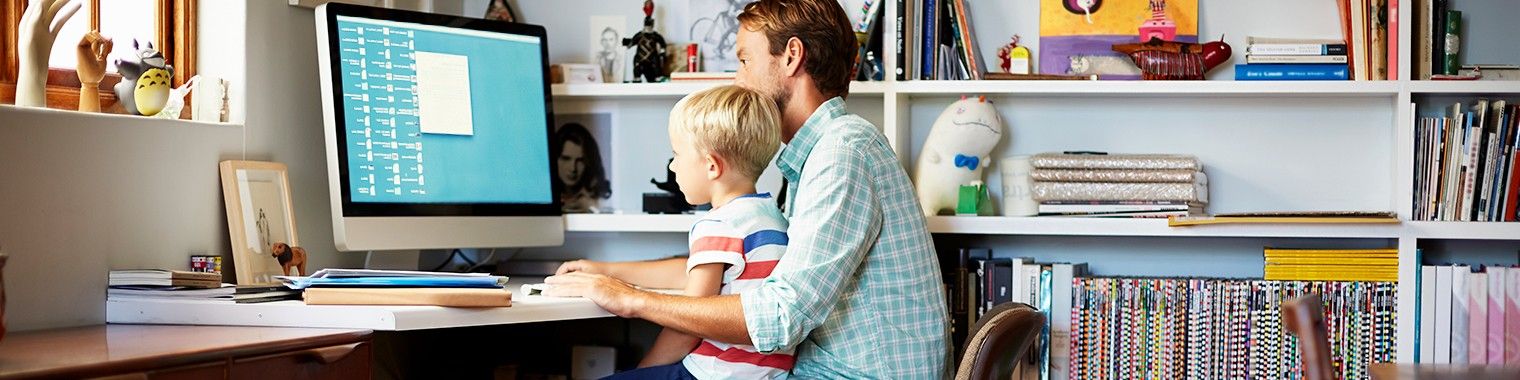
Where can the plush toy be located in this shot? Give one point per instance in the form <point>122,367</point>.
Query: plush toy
<point>290,257</point>
<point>145,80</point>
<point>956,152</point>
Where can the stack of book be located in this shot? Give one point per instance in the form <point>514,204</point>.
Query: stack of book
<point>1152,328</point>
<point>1119,185</point>
<point>1467,164</point>
<point>161,285</point>
<point>1331,264</point>
<point>975,281</point>
<point>391,287</point>
<point>1466,313</point>
<point>1293,59</point>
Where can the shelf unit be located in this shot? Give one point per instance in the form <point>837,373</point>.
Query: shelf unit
<point>1377,135</point>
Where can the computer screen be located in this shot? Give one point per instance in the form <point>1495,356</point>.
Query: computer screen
<point>434,116</point>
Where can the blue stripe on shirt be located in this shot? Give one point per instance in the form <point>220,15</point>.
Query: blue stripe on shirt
<point>763,238</point>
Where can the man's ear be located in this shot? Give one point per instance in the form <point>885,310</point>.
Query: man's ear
<point>716,167</point>
<point>792,57</point>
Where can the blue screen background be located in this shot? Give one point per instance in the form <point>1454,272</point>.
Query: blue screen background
<point>506,160</point>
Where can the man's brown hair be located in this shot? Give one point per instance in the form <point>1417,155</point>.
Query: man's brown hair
<point>824,29</point>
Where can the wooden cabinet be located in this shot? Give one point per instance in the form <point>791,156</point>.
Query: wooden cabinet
<point>122,352</point>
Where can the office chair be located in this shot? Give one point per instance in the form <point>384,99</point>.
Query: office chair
<point>999,339</point>
<point>1305,318</point>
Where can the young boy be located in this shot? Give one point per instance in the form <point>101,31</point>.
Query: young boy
<point>722,139</point>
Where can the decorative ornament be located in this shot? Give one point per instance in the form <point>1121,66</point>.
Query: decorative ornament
<point>38,30</point>
<point>1167,60</point>
<point>649,61</point>
<point>956,153</point>
<point>91,53</point>
<point>1014,58</point>
<point>145,80</point>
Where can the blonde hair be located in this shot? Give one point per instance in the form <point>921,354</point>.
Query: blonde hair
<point>739,125</point>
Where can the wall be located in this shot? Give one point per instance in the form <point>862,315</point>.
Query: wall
<point>83,194</point>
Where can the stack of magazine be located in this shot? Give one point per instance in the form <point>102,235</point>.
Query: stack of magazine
<point>391,287</point>
<point>167,285</point>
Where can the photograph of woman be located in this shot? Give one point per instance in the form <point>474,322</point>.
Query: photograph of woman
<point>580,170</point>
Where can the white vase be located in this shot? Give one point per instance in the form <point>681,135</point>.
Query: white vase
<point>1017,186</point>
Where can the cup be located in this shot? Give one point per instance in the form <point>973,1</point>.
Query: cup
<point>1018,200</point>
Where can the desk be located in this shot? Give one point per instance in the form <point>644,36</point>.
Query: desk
<point>186,352</point>
<point>525,309</point>
<point>1389,371</point>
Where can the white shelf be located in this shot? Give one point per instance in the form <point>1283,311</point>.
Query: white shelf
<point>628,223</point>
<point>671,89</point>
<point>1464,87</point>
<point>997,225</point>
<point>1465,230</point>
<point>1129,88</point>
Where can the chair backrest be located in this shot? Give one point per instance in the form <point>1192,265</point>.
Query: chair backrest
<point>999,339</point>
<point>1305,318</point>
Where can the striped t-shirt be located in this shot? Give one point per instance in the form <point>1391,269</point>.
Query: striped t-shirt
<point>749,235</point>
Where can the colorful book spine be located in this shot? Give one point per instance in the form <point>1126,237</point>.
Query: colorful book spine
<point>1290,72</point>
<point>1295,59</point>
<point>1297,49</point>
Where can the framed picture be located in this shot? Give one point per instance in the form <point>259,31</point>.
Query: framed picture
<point>582,148</point>
<point>606,46</point>
<point>259,217</point>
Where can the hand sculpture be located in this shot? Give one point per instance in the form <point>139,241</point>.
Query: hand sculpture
<point>38,29</point>
<point>92,51</point>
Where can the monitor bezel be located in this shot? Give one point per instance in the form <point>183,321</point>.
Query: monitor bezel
<point>377,209</point>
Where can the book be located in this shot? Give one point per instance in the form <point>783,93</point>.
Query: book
<point>1046,208</point>
<point>454,297</point>
<point>1104,161</point>
<point>1460,301</point>
<point>1453,36</point>
<point>159,277</point>
<point>1512,316</point>
<point>1477,318</point>
<point>1217,219</point>
<point>1270,59</point>
<point>1392,37</point>
<point>1358,40</point>
<point>1496,308</point>
<point>1294,46</point>
<point>1111,191</point>
<point>1290,72</point>
<point>1425,340</point>
<point>1377,45</point>
<point>1063,277</point>
<point>1437,30</point>
<point>1091,175</point>
<point>1443,307</point>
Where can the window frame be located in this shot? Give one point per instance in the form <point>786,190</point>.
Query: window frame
<point>176,25</point>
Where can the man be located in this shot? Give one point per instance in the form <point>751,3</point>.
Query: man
<point>858,291</point>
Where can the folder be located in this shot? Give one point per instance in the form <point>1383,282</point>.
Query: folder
<point>454,297</point>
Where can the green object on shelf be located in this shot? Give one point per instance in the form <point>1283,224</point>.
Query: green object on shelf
<point>1453,42</point>
<point>973,200</point>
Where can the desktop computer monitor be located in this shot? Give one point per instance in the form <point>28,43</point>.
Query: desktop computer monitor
<point>437,131</point>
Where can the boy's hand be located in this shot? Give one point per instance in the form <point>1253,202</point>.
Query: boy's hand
<point>585,266</point>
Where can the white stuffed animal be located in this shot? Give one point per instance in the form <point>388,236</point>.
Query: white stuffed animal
<point>956,152</point>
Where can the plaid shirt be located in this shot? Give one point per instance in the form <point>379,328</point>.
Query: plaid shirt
<point>858,291</point>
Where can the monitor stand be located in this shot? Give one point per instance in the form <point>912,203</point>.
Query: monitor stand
<point>396,260</point>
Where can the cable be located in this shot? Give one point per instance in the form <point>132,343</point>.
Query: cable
<point>446,260</point>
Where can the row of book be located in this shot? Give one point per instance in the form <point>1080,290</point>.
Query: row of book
<point>1153,328</point>
<point>1438,37</point>
<point>1469,315</point>
<point>936,41</point>
<point>975,281</point>
<point>1118,185</point>
<point>1283,264</point>
<point>1371,28</point>
<point>1294,59</point>
<point>1467,163</point>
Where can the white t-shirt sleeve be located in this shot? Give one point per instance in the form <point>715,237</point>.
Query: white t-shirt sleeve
<point>714,241</point>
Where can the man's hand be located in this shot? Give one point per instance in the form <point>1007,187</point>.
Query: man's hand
<point>615,296</point>
<point>583,266</point>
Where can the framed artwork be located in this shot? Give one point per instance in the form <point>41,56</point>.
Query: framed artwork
<point>500,10</point>
<point>582,151</point>
<point>1077,36</point>
<point>259,217</point>
<point>714,26</point>
<point>606,46</point>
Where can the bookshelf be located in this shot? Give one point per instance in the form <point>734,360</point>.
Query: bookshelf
<point>1265,146</point>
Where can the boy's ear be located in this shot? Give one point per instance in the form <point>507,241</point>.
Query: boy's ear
<point>716,167</point>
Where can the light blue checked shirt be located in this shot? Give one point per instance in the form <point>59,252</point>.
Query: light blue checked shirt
<point>858,291</point>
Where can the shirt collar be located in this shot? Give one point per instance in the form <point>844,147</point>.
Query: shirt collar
<point>796,152</point>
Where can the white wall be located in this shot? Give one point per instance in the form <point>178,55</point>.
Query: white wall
<point>83,194</point>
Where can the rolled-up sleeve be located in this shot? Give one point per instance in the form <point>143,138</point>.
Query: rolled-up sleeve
<point>835,221</point>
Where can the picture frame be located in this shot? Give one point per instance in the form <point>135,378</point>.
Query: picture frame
<point>259,215</point>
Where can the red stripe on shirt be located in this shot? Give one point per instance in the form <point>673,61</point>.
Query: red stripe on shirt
<point>757,269</point>
<point>718,243</point>
<point>734,355</point>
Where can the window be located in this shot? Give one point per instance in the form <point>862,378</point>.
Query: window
<point>168,24</point>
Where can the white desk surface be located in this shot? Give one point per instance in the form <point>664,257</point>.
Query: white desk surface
<point>525,309</point>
